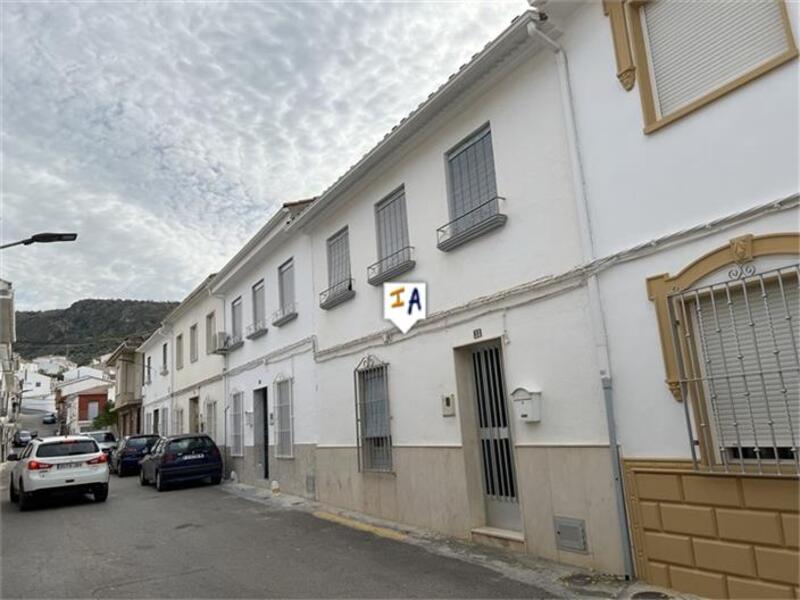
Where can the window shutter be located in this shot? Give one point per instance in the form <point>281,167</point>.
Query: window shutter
<point>338,258</point>
<point>730,395</point>
<point>697,47</point>
<point>392,225</point>
<point>286,287</point>
<point>472,178</point>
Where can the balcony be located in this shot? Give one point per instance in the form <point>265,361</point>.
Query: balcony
<point>284,314</point>
<point>234,342</point>
<point>256,330</point>
<point>391,266</point>
<point>336,294</point>
<point>471,224</point>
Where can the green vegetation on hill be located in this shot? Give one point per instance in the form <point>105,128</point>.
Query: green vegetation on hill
<point>86,329</point>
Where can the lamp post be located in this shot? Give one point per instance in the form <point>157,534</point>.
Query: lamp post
<point>43,238</point>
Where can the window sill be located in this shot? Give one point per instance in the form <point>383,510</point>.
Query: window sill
<point>280,321</point>
<point>256,333</point>
<point>336,294</point>
<point>475,223</point>
<point>284,457</point>
<point>234,345</point>
<point>462,237</point>
<point>391,272</point>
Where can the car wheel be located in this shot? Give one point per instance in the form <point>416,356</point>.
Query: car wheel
<point>142,478</point>
<point>120,471</point>
<point>160,485</point>
<point>12,493</point>
<point>25,500</point>
<point>101,492</point>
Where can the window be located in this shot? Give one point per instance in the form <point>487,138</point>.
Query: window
<point>284,428</point>
<point>179,351</point>
<point>177,427</point>
<point>473,200</point>
<point>258,302</point>
<point>236,320</point>
<point>211,420</point>
<point>340,285</point>
<point>193,343</point>
<point>164,421</point>
<point>391,226</point>
<point>211,332</point>
<point>149,369</point>
<point>93,409</point>
<point>164,359</point>
<point>237,425</point>
<point>372,400</point>
<point>690,53</point>
<point>148,423</point>
<point>71,448</point>
<point>287,310</point>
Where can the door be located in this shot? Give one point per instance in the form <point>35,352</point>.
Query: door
<point>495,442</point>
<point>194,415</point>
<point>155,422</point>
<point>261,417</point>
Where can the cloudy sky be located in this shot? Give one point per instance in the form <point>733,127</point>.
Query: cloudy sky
<point>165,133</point>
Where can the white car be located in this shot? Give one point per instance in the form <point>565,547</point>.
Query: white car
<point>59,464</point>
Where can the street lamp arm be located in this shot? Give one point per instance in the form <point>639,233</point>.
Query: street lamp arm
<point>43,238</point>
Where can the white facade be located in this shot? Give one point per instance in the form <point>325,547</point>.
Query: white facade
<point>37,390</point>
<point>157,387</point>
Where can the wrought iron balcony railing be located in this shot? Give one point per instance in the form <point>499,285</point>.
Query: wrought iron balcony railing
<point>284,314</point>
<point>256,330</point>
<point>391,266</point>
<point>471,224</point>
<point>336,294</point>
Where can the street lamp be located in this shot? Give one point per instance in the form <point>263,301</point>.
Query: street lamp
<point>43,238</point>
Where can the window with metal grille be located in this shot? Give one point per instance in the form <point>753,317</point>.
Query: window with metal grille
<point>164,421</point>
<point>179,351</point>
<point>472,181</point>
<point>177,426</point>
<point>284,419</point>
<point>193,343</point>
<point>339,258</point>
<point>737,348</point>
<point>391,225</point>
<point>373,418</point>
<point>149,378</point>
<point>211,332</point>
<point>236,319</point>
<point>286,286</point>
<point>210,425</point>
<point>148,423</point>
<point>690,53</point>
<point>237,424</point>
<point>259,303</point>
<point>164,358</point>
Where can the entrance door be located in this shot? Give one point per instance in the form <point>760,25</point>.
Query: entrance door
<point>155,422</point>
<point>262,418</point>
<point>194,415</point>
<point>494,433</point>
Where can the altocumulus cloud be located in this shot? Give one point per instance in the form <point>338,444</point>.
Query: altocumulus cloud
<point>165,133</point>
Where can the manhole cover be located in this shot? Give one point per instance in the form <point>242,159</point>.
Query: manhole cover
<point>651,595</point>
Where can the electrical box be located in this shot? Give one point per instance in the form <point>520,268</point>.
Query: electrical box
<point>527,405</point>
<point>449,405</point>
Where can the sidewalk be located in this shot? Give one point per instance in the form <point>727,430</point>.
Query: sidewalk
<point>562,581</point>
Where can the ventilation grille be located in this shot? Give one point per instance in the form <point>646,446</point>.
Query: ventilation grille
<point>570,534</point>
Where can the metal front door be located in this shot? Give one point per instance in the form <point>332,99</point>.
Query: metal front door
<point>494,433</point>
<point>265,428</point>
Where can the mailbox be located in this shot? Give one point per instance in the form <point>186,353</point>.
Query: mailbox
<point>527,404</point>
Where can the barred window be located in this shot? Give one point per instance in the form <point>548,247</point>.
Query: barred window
<point>193,343</point>
<point>164,422</point>
<point>737,347</point>
<point>177,427</point>
<point>211,326</point>
<point>236,319</point>
<point>259,309</point>
<point>210,425</point>
<point>284,422</point>
<point>373,419</point>
<point>472,180</point>
<point>339,258</point>
<point>237,425</point>
<point>392,228</point>
<point>179,351</point>
<point>286,286</point>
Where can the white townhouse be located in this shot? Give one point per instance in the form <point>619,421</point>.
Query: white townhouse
<point>156,353</point>
<point>487,419</point>
<point>265,336</point>
<point>687,156</point>
<point>196,390</point>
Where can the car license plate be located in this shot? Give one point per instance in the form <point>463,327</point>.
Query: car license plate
<point>71,465</point>
<point>193,456</point>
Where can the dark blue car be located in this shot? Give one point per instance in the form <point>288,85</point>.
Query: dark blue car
<point>125,458</point>
<point>187,457</point>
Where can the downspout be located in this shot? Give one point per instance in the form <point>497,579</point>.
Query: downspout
<point>593,287</point>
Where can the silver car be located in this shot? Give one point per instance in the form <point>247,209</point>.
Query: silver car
<point>105,439</point>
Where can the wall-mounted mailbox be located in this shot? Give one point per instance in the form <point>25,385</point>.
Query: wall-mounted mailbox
<point>449,405</point>
<point>527,404</point>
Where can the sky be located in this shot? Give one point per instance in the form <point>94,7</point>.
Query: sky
<point>166,133</point>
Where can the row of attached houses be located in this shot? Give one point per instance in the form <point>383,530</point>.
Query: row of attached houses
<point>604,205</point>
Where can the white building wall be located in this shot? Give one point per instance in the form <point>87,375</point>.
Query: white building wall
<point>156,392</point>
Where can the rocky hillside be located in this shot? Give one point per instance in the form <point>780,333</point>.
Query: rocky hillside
<point>86,329</point>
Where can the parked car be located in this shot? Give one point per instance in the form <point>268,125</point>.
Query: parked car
<point>125,459</point>
<point>58,464</point>
<point>106,439</point>
<point>21,438</point>
<point>181,458</point>
<point>49,419</point>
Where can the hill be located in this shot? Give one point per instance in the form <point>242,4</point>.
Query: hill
<point>86,329</point>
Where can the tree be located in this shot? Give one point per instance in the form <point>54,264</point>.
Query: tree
<point>107,418</point>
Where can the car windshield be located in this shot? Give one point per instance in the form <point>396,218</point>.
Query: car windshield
<point>190,445</point>
<point>103,436</point>
<point>23,434</point>
<point>66,448</point>
<point>141,442</point>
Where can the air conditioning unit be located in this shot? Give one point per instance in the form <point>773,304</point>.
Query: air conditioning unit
<point>221,342</point>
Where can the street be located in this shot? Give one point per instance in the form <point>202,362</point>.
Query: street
<point>201,542</point>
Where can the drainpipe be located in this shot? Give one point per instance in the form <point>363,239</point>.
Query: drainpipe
<point>593,287</point>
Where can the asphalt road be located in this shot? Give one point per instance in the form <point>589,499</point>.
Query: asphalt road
<point>201,542</point>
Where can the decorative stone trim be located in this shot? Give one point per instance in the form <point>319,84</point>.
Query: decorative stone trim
<point>626,70</point>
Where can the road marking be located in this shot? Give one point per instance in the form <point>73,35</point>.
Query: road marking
<point>353,524</point>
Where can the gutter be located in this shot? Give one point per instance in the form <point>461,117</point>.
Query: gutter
<point>597,315</point>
